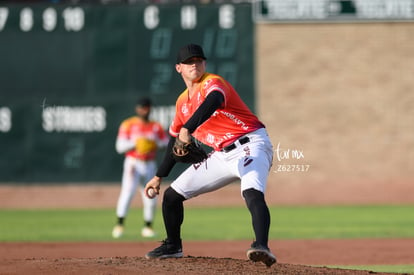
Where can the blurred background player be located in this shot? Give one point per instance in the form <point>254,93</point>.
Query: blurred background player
<point>138,138</point>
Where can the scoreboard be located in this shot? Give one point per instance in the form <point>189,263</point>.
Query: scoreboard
<point>69,74</point>
<point>115,48</point>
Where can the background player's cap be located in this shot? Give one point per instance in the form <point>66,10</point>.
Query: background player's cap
<point>144,102</point>
<point>189,51</point>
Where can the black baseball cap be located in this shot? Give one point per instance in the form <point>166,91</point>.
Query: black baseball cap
<point>144,102</point>
<point>189,51</point>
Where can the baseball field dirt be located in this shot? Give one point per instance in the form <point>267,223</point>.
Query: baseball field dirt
<point>218,257</point>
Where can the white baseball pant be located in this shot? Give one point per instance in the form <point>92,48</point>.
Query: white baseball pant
<point>135,175</point>
<point>249,162</point>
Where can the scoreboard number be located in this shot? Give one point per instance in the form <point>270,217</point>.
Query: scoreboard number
<point>73,19</point>
<point>4,14</point>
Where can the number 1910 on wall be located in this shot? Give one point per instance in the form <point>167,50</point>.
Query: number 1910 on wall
<point>73,19</point>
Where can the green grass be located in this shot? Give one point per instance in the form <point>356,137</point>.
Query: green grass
<point>406,269</point>
<point>343,222</point>
<point>339,222</point>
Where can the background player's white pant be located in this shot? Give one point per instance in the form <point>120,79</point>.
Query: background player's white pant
<point>135,175</point>
<point>250,162</point>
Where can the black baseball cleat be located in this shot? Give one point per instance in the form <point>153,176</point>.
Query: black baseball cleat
<point>166,250</point>
<point>260,253</point>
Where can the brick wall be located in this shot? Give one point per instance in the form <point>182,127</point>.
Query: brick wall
<point>342,95</point>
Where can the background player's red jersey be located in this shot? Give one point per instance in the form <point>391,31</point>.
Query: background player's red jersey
<point>134,128</point>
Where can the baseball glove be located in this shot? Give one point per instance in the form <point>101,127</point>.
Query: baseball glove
<point>190,152</point>
<point>145,146</point>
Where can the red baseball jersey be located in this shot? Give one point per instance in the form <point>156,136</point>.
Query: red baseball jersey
<point>134,128</point>
<point>231,121</point>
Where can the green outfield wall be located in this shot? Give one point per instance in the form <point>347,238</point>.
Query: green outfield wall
<point>69,74</point>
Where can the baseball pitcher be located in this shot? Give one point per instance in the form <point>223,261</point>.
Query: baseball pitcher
<point>211,112</point>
